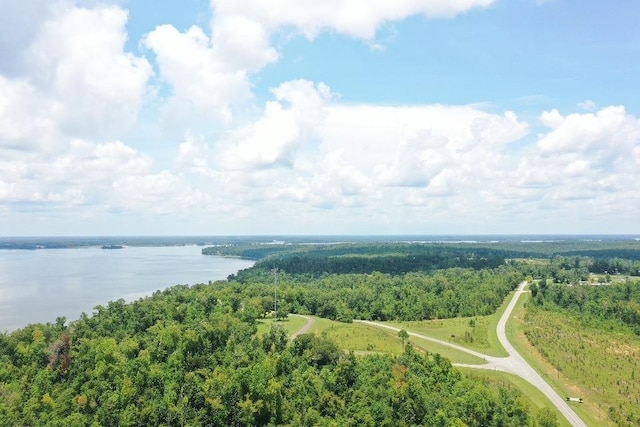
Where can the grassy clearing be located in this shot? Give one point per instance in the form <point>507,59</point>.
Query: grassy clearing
<point>533,397</point>
<point>363,339</point>
<point>358,337</point>
<point>292,324</point>
<point>564,382</point>
<point>477,333</point>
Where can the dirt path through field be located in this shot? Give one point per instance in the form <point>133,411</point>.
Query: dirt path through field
<point>310,322</point>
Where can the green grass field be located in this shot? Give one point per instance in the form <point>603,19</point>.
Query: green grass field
<point>291,324</point>
<point>363,339</point>
<point>477,333</point>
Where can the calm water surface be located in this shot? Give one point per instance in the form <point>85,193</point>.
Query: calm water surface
<point>40,285</point>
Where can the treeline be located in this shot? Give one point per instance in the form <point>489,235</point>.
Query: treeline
<point>626,249</point>
<point>394,258</point>
<point>616,303</point>
<point>191,356</point>
<point>629,266</point>
<point>386,263</point>
<point>377,296</point>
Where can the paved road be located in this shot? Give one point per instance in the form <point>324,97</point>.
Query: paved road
<point>519,366</point>
<point>514,363</point>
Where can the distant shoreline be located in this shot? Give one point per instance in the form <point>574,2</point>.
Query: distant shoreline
<point>303,238</point>
<point>113,242</point>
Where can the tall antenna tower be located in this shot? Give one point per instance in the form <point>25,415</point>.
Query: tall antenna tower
<point>274,270</point>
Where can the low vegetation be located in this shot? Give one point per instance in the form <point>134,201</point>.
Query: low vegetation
<point>614,306</point>
<point>592,346</point>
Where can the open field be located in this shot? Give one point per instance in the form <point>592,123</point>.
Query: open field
<point>477,333</point>
<point>584,370</point>
<point>291,324</point>
<point>363,338</point>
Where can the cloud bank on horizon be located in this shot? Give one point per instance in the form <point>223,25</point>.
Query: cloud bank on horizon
<point>309,117</point>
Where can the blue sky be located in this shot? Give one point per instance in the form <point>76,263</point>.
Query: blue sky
<point>307,117</point>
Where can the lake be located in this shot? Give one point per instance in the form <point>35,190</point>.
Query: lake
<point>40,285</point>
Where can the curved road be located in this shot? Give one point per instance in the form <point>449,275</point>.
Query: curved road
<point>514,363</point>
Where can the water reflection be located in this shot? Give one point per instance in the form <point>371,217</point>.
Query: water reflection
<point>40,285</point>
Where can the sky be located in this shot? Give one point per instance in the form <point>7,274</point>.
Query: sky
<point>253,117</point>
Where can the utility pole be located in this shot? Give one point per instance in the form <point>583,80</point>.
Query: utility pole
<point>275,292</point>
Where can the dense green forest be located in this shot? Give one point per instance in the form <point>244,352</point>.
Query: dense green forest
<point>412,296</point>
<point>603,250</point>
<point>190,356</point>
<point>393,258</point>
<point>566,262</point>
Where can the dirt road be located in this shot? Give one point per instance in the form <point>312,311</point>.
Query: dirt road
<point>306,327</point>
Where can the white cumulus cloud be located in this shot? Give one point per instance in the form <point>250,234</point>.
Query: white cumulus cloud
<point>201,82</point>
<point>607,130</point>
<point>584,165</point>
<point>66,108</point>
<point>210,71</point>
<point>78,62</point>
<point>287,124</point>
<point>357,18</point>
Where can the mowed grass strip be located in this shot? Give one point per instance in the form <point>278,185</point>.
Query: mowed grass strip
<point>477,333</point>
<point>363,339</point>
<point>592,410</point>
<point>533,397</point>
